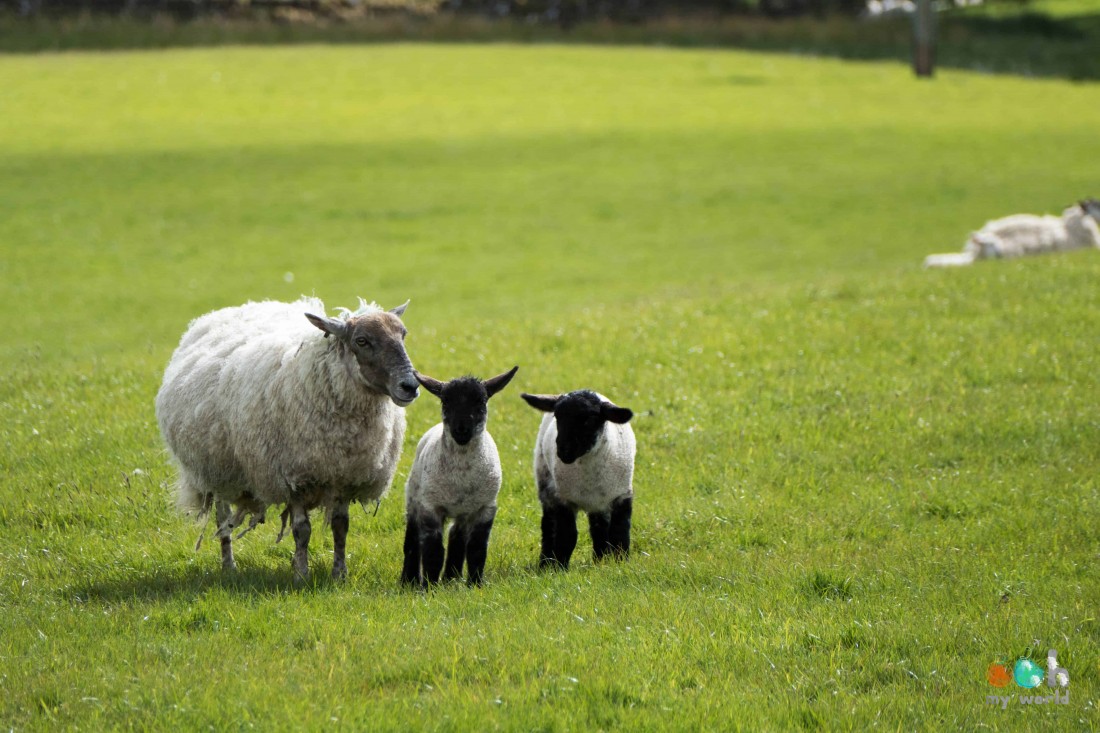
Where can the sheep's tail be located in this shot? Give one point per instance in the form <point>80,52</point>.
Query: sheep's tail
<point>950,259</point>
<point>193,501</point>
<point>191,498</point>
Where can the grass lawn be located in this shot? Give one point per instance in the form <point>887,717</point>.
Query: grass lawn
<point>858,483</point>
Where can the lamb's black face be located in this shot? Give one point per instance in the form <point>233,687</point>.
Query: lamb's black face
<point>580,422</point>
<point>466,402</point>
<point>465,408</point>
<point>580,418</point>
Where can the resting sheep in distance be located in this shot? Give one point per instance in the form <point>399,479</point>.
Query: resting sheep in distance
<point>455,475</point>
<point>584,459</point>
<point>1026,234</point>
<point>275,404</point>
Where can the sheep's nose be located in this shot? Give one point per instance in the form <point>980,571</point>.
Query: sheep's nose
<point>410,386</point>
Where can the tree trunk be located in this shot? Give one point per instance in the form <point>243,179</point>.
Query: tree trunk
<point>924,39</point>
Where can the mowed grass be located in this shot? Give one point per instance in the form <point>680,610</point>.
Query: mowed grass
<point>858,483</point>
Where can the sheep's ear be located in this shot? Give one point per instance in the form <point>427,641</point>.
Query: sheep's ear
<point>400,310</point>
<point>432,385</point>
<point>614,413</point>
<point>544,402</point>
<point>499,382</point>
<point>331,326</point>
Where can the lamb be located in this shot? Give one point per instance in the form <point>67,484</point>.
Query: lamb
<point>259,408</point>
<point>584,459</point>
<point>455,475</point>
<point>1026,234</point>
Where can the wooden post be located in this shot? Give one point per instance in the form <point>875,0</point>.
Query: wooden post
<point>924,38</point>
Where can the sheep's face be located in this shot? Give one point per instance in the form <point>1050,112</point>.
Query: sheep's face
<point>1091,207</point>
<point>580,417</point>
<point>465,402</point>
<point>377,342</point>
<point>465,408</point>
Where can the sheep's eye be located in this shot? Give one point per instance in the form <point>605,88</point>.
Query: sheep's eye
<point>362,341</point>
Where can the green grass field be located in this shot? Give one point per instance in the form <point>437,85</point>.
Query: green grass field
<point>858,483</point>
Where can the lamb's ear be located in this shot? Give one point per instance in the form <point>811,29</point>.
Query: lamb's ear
<point>432,385</point>
<point>400,310</point>
<point>499,382</point>
<point>614,413</point>
<point>331,326</point>
<point>544,402</point>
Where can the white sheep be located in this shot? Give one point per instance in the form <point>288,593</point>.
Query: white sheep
<point>1026,234</point>
<point>260,408</point>
<point>584,459</point>
<point>455,475</point>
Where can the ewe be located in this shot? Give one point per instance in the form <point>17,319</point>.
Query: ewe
<point>1026,234</point>
<point>260,408</point>
<point>455,475</point>
<point>584,459</point>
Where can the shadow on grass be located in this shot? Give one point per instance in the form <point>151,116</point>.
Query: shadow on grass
<point>191,579</point>
<point>1025,43</point>
<point>157,584</point>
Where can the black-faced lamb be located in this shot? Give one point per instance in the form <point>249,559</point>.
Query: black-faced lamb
<point>1026,234</point>
<point>584,459</point>
<point>275,404</point>
<point>455,475</point>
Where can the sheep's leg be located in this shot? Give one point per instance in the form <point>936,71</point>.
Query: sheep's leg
<point>477,548</point>
<point>299,527</point>
<point>598,525</point>
<point>456,551</point>
<point>565,535</point>
<point>431,547</point>
<point>549,530</point>
<point>340,522</point>
<point>410,573</point>
<point>221,511</point>
<point>619,531</point>
<point>950,259</point>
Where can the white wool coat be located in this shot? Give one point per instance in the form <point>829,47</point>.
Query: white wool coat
<point>1021,235</point>
<point>1026,234</point>
<point>593,481</point>
<point>451,480</point>
<point>258,408</point>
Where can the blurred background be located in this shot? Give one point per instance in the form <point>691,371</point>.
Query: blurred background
<point>1043,37</point>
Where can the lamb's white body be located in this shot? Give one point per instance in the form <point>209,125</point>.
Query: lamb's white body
<point>596,479</point>
<point>1021,235</point>
<point>259,409</point>
<point>454,481</point>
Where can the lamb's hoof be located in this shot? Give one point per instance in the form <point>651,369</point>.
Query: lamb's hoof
<point>340,572</point>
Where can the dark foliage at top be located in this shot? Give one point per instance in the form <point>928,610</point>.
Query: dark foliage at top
<point>564,13</point>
